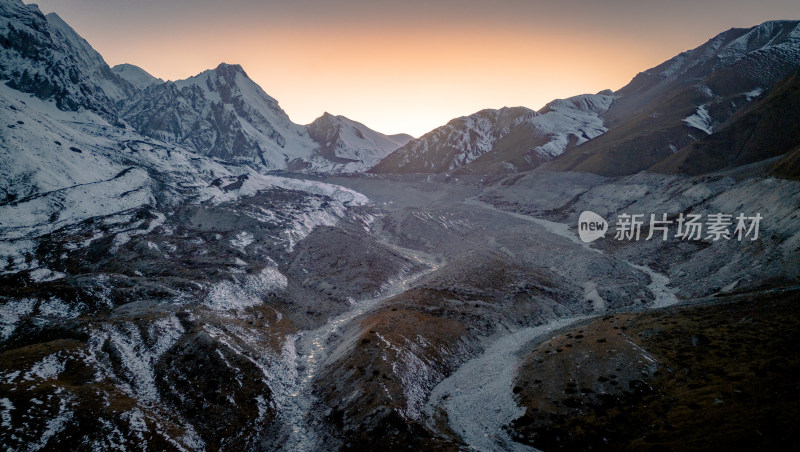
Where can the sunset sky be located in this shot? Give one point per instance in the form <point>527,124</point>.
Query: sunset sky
<point>409,66</point>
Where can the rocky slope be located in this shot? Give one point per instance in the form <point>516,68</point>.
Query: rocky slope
<point>787,167</point>
<point>719,264</point>
<point>700,377</point>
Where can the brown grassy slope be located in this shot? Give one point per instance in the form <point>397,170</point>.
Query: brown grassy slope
<point>725,376</point>
<point>646,120</point>
<point>789,166</point>
<point>637,142</point>
<point>766,129</point>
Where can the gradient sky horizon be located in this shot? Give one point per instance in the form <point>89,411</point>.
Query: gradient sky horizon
<point>409,66</point>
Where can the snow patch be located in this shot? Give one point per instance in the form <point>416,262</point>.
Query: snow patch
<point>45,275</point>
<point>138,356</point>
<point>700,120</point>
<point>754,93</point>
<point>56,424</point>
<point>55,307</point>
<point>10,313</point>
<point>49,367</point>
<point>5,412</point>
<point>237,295</point>
<point>592,296</point>
<point>242,239</point>
<point>256,182</point>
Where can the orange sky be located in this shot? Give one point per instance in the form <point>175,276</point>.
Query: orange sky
<point>411,66</point>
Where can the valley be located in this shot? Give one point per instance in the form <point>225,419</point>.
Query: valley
<point>182,267</point>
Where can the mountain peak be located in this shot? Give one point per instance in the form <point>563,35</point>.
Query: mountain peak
<point>351,145</point>
<point>224,78</point>
<point>42,55</point>
<point>230,69</point>
<point>137,76</point>
<point>732,45</point>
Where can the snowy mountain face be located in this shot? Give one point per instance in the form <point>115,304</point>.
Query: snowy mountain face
<point>760,55</point>
<point>43,56</point>
<point>349,146</point>
<point>571,121</point>
<point>456,144</point>
<point>669,107</point>
<point>735,66</point>
<point>509,139</point>
<point>62,168</point>
<point>220,113</point>
<point>136,76</point>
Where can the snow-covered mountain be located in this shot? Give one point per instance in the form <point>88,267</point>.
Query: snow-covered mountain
<point>351,147</point>
<point>505,140</point>
<point>137,76</point>
<point>67,159</point>
<point>760,54</point>
<point>42,55</point>
<point>224,114</point>
<point>686,98</point>
<point>455,144</point>
<point>220,113</point>
<point>60,168</point>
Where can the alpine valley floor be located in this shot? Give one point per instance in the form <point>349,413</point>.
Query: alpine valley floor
<point>438,314</point>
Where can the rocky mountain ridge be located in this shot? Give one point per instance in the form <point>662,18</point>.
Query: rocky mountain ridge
<point>685,99</point>
<point>502,141</point>
<point>661,111</point>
